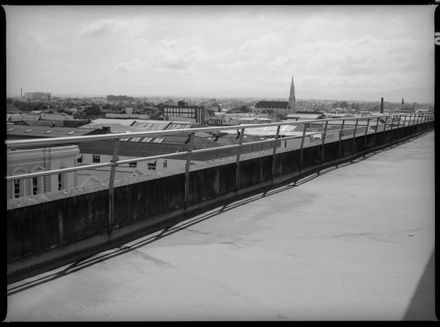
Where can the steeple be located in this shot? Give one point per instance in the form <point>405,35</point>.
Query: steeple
<point>292,98</point>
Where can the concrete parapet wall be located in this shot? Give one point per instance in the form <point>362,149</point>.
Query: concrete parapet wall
<point>44,235</point>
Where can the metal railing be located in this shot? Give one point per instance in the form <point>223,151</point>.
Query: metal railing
<point>413,119</point>
<point>386,121</point>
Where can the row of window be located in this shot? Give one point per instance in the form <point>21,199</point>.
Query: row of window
<point>37,185</point>
<point>191,113</point>
<point>180,110</point>
<point>186,115</point>
<point>151,165</point>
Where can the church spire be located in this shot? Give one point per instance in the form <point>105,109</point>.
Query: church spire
<point>292,98</point>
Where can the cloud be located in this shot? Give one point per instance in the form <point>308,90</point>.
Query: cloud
<point>109,26</point>
<point>98,28</point>
<point>125,67</point>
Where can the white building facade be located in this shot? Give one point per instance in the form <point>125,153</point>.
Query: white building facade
<point>34,160</point>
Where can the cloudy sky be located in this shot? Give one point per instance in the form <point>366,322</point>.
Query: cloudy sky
<point>334,52</point>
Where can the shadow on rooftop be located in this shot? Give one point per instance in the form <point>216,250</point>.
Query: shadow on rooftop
<point>422,305</point>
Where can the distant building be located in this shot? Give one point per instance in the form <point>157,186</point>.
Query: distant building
<point>119,98</point>
<point>127,116</point>
<point>278,107</point>
<point>37,96</point>
<point>185,112</point>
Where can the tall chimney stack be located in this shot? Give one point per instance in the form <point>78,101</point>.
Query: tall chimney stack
<point>381,105</point>
<point>21,92</point>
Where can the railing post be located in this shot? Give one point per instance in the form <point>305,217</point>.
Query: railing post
<point>323,141</point>
<point>391,127</point>
<point>384,129</point>
<point>365,136</point>
<point>275,150</point>
<point>417,122</point>
<point>111,182</point>
<point>187,165</point>
<point>354,134</point>
<point>340,138</point>
<point>375,133</point>
<point>302,148</point>
<point>404,122</point>
<point>399,132</point>
<point>237,166</point>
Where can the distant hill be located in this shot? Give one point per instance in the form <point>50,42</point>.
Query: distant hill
<point>78,95</point>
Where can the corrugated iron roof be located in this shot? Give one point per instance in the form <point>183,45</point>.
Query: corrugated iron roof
<point>17,131</point>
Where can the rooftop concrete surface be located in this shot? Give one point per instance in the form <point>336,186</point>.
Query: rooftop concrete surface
<point>355,243</point>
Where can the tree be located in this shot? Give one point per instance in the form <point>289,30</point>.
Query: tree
<point>92,110</point>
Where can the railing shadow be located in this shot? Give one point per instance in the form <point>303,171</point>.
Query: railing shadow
<point>422,305</point>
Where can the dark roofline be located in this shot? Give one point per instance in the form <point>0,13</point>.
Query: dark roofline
<point>35,131</point>
<point>272,104</point>
<point>182,107</point>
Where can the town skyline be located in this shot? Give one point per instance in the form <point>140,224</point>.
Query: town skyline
<point>334,52</point>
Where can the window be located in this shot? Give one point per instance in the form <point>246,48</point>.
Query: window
<point>16,188</point>
<point>96,158</point>
<point>132,164</point>
<point>152,166</point>
<point>34,185</point>
<point>79,160</point>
